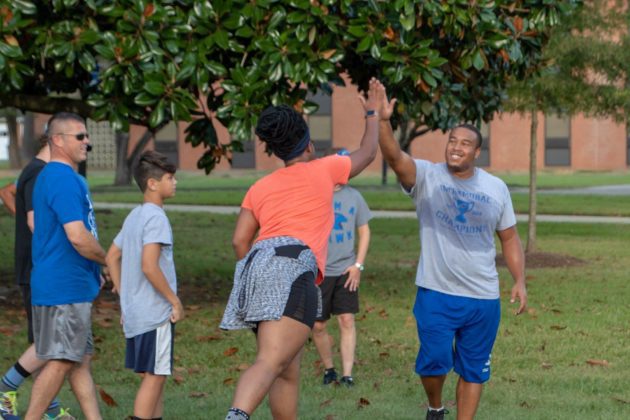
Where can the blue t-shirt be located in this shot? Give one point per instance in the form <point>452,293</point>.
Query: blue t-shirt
<point>60,274</point>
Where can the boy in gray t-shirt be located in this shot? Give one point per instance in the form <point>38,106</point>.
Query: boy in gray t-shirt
<point>340,294</point>
<point>141,265</point>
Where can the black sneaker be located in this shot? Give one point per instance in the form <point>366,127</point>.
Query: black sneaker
<point>436,414</point>
<point>347,381</point>
<point>330,376</point>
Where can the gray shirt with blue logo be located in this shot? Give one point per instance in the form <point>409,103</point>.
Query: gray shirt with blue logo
<point>351,211</point>
<point>144,308</point>
<point>458,220</point>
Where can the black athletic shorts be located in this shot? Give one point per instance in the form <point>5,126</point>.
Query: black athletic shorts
<point>337,299</point>
<point>26,299</point>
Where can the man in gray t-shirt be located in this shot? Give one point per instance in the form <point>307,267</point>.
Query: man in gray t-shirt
<point>457,309</point>
<point>340,294</point>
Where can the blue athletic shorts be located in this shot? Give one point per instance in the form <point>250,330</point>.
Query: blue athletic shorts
<point>152,352</point>
<point>472,325</point>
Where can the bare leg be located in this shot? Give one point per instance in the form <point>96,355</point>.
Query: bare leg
<point>29,361</point>
<point>83,387</point>
<point>46,386</point>
<point>284,392</point>
<point>468,396</point>
<point>433,387</point>
<point>348,341</point>
<point>323,343</point>
<point>159,406</point>
<point>278,344</point>
<point>149,397</point>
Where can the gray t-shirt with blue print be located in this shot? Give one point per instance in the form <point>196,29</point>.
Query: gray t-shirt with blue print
<point>351,211</point>
<point>458,220</point>
<point>144,308</point>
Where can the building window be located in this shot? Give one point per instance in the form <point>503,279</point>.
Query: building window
<point>557,141</point>
<point>320,123</point>
<point>166,142</point>
<point>484,157</point>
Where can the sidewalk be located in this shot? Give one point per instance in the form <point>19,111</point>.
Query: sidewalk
<point>395,214</point>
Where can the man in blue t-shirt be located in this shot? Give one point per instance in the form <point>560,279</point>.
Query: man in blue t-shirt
<point>460,209</point>
<point>65,278</point>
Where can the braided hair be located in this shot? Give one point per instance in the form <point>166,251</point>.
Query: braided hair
<point>283,130</point>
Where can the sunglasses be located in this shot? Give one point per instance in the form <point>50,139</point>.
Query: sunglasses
<point>80,136</point>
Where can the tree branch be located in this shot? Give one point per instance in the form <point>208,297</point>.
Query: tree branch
<point>46,104</point>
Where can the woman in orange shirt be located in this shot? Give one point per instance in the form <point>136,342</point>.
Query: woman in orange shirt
<point>275,279</point>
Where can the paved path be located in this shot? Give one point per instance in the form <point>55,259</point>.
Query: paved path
<point>396,214</point>
<point>599,190</point>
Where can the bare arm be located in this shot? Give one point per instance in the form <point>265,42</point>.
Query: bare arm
<point>7,195</point>
<point>113,259</point>
<point>153,273</point>
<point>30,220</point>
<point>354,274</point>
<point>515,261</point>
<point>366,152</point>
<point>244,232</point>
<point>84,242</point>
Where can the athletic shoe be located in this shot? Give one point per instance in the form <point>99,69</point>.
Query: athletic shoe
<point>8,405</point>
<point>330,376</point>
<point>348,381</point>
<point>63,415</point>
<point>436,414</point>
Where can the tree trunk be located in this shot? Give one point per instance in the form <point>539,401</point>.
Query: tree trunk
<point>123,173</point>
<point>124,163</point>
<point>15,159</point>
<point>531,223</point>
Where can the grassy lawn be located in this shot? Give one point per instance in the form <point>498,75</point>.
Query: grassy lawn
<point>540,367</point>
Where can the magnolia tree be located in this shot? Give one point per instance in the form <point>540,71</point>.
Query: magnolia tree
<point>141,62</point>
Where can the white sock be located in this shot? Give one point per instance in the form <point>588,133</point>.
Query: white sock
<point>436,409</point>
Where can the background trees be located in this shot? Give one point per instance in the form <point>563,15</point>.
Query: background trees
<point>584,69</point>
<point>135,61</point>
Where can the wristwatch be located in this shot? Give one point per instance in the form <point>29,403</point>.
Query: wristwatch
<point>360,266</point>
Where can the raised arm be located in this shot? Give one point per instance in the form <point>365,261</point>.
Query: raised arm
<point>515,261</point>
<point>401,163</point>
<point>366,152</point>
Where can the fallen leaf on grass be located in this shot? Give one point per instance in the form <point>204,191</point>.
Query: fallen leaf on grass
<point>197,394</point>
<point>230,352</point>
<point>193,370</point>
<point>363,402</point>
<point>242,367</point>
<point>330,417</point>
<point>192,308</point>
<point>205,338</point>
<point>180,369</point>
<point>621,400</point>
<point>107,399</point>
<point>546,365</point>
<point>558,327</point>
<point>383,354</point>
<point>179,379</point>
<point>597,362</point>
<point>369,309</point>
<point>325,403</point>
<point>228,381</point>
<point>525,404</point>
<point>383,314</point>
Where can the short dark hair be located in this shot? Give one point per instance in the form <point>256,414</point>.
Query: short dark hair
<point>474,129</point>
<point>51,125</point>
<point>282,129</point>
<point>151,165</point>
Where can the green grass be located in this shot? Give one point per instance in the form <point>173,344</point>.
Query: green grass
<point>539,361</point>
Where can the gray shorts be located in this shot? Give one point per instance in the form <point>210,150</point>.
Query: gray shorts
<point>63,332</point>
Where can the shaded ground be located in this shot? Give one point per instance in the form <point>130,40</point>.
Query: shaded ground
<point>546,260</point>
